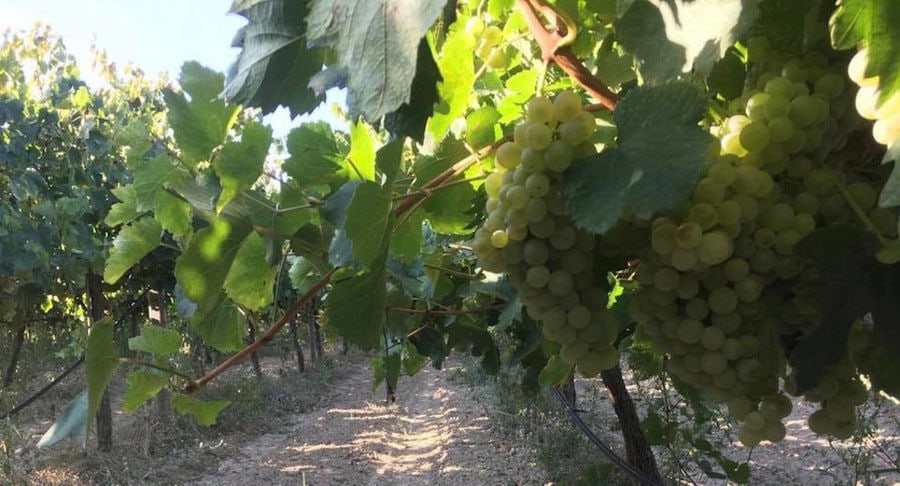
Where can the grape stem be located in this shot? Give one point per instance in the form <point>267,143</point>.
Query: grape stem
<point>555,48</point>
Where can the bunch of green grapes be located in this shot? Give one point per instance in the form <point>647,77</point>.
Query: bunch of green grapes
<point>886,115</point>
<point>711,297</point>
<point>529,235</point>
<point>488,40</point>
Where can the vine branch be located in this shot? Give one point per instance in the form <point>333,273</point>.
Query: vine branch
<point>264,337</point>
<point>554,48</point>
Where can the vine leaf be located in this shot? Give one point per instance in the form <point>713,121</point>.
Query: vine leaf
<point>456,66</point>
<point>275,65</point>
<point>202,268</point>
<point>555,371</point>
<point>205,412</point>
<point>314,155</point>
<point>133,242</point>
<point>220,323</point>
<point>655,165</point>
<point>356,305</point>
<point>156,340</point>
<point>240,164</point>
<point>368,221</point>
<point>669,37</point>
<point>376,43</point>
<point>71,422</point>
<point>140,386</point>
<point>124,211</point>
<point>362,151</point>
<point>251,278</point>
<point>480,126</point>
<point>100,362</point>
<point>410,119</point>
<point>873,23</point>
<point>201,123</point>
<point>446,209</point>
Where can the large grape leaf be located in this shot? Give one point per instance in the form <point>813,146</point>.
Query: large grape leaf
<point>367,221</point>
<point>156,340</point>
<point>376,43</point>
<point>457,69</point>
<point>410,119</point>
<point>446,209</point>
<point>655,165</point>
<point>71,422</point>
<point>251,278</point>
<point>124,211</point>
<point>220,323</point>
<point>100,362</point>
<point>356,305</point>
<point>133,242</point>
<point>874,24</point>
<point>140,386</point>
<point>204,411</point>
<point>315,155</point>
<point>669,37</point>
<point>202,268</point>
<point>199,123</point>
<point>362,151</point>
<point>275,65</point>
<point>240,164</point>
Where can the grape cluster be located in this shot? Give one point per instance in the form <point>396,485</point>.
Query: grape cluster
<point>488,43</point>
<point>886,115</point>
<point>711,279</point>
<point>529,235</point>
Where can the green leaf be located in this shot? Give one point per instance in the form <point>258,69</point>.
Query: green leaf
<point>480,126</point>
<point>355,306</point>
<point>555,371</point>
<point>251,279</point>
<point>275,65</point>
<point>376,43</point>
<point>152,177</point>
<point>447,209</point>
<point>874,24</point>
<point>124,211</point>
<point>655,166</point>
<point>156,340</point>
<point>203,267</point>
<point>205,412</point>
<point>136,136</point>
<point>240,164</point>
<point>71,422</point>
<point>201,124</point>
<point>314,155</point>
<point>100,362</point>
<point>133,242</point>
<point>409,120</point>
<point>140,386</point>
<point>670,37</point>
<point>407,240</point>
<point>220,323</point>
<point>456,65</point>
<point>301,274</point>
<point>362,150</point>
<point>389,158</point>
<point>367,221</point>
<point>727,76</point>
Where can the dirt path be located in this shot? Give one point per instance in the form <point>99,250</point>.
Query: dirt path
<point>437,434</point>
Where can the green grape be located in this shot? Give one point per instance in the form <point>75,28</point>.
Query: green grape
<point>538,136</point>
<point>866,101</point>
<point>713,363</point>
<point>887,130</point>
<point>747,179</point>
<point>499,239</point>
<point>750,438</point>
<point>683,259</point>
<point>481,246</point>
<point>688,287</point>
<point>795,71</point>
<point>662,239</point>
<point>561,283</point>
<point>519,136</point>
<point>573,132</point>
<point>517,233</point>
<point>555,203</point>
<point>493,263</point>
<point>543,228</point>
<point>713,338</point>
<point>688,235</point>
<point>785,241</point>
<point>754,137</point>
<point>696,309</point>
<point>574,351</point>
<point>520,175</point>
<point>804,224</point>
<point>806,203</point>
<point>666,279</point>
<point>731,144</point>
<point>736,269</point>
<point>781,129</point>
<point>492,35</point>
<point>774,431</point>
<point>722,172</point>
<point>799,167</point>
<point>538,276</point>
<point>562,335</point>
<point>806,110</point>
<point>749,207</point>
<point>535,210</point>
<point>558,156</point>
<point>722,300</point>
<point>492,184</point>
<point>713,278</point>
<point>537,185</point>
<point>515,218</point>
<point>715,247</point>
<point>779,86</point>
<point>863,194</point>
<point>731,348</point>
<point>661,298</point>
<point>579,317</point>
<point>516,197</point>
<point>575,261</point>
<point>709,191</point>
<point>512,252</point>
<point>779,217</point>
<point>539,110</point>
<point>566,106</point>
<point>564,237</point>
<point>690,331</point>
<point>884,221</point>
<point>536,252</point>
<point>756,105</point>
<point>728,213</point>
<point>735,123</point>
<point>749,289</point>
<point>704,215</point>
<point>532,160</point>
<point>498,58</point>
<point>777,107</point>
<point>474,26</point>
<point>554,318</point>
<point>763,261</point>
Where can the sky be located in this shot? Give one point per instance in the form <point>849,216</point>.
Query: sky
<point>154,35</point>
